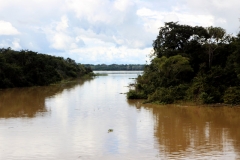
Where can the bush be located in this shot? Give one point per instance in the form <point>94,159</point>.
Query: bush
<point>232,95</point>
<point>206,98</point>
<point>132,94</point>
<point>206,89</point>
<point>162,95</point>
<point>168,95</point>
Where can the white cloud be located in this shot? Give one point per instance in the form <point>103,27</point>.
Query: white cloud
<point>63,25</point>
<point>109,55</point>
<point>12,43</point>
<point>59,37</point>
<point>91,10</point>
<point>122,5</point>
<point>111,31</point>
<point>6,28</point>
<point>153,20</point>
<point>16,45</point>
<point>225,13</point>
<point>60,41</point>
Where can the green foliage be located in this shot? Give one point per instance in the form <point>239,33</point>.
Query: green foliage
<point>216,38</point>
<point>132,94</point>
<point>233,62</point>
<point>162,95</point>
<point>168,95</point>
<point>232,95</point>
<point>193,63</point>
<point>208,87</point>
<point>171,70</point>
<point>28,68</point>
<point>206,98</point>
<point>174,39</point>
<point>164,75</point>
<point>116,67</point>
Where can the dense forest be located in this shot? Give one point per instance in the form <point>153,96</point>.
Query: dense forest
<point>116,67</point>
<point>191,63</point>
<point>27,68</point>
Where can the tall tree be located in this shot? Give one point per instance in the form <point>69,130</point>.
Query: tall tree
<point>174,38</point>
<point>217,36</point>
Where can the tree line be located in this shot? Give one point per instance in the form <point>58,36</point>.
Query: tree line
<point>191,63</point>
<point>27,68</point>
<point>116,67</point>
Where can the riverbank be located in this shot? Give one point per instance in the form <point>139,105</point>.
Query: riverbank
<point>27,68</point>
<point>187,68</point>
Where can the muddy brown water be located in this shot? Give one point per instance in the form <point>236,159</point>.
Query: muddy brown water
<point>92,119</point>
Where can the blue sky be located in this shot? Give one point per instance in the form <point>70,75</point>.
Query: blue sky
<point>104,31</point>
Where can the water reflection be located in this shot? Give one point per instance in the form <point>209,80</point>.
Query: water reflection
<point>29,102</point>
<point>196,132</point>
<point>82,112</point>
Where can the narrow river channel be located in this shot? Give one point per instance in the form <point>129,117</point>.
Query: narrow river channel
<point>92,119</point>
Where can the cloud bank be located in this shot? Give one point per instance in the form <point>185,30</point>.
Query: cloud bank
<point>104,31</point>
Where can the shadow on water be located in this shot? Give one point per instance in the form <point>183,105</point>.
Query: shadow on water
<point>30,102</point>
<point>195,131</point>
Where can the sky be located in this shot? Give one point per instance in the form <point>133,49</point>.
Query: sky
<point>105,31</point>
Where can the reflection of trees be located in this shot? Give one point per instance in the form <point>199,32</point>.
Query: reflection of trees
<point>135,102</point>
<point>192,130</point>
<point>27,102</point>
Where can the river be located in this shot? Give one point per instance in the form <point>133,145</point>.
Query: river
<point>92,119</point>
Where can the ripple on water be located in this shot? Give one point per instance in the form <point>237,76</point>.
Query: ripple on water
<point>72,122</point>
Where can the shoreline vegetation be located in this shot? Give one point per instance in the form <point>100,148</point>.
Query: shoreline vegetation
<point>184,103</point>
<point>195,64</point>
<point>27,68</point>
<point>116,67</point>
